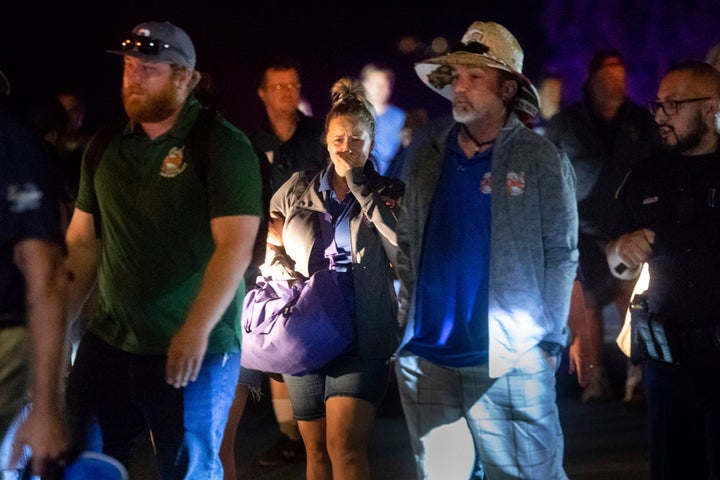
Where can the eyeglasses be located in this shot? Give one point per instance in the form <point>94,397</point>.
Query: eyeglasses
<point>147,45</point>
<point>670,107</point>
<point>276,87</point>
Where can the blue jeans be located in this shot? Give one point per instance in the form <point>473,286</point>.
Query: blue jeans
<point>464,424</point>
<point>114,395</point>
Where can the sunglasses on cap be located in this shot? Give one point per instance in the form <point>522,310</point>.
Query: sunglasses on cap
<point>144,44</point>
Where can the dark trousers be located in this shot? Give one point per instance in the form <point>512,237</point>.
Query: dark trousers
<point>114,395</point>
<point>684,418</point>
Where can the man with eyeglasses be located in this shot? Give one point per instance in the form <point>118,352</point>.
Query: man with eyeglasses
<point>174,241</point>
<point>289,137</point>
<point>290,141</point>
<point>673,223</point>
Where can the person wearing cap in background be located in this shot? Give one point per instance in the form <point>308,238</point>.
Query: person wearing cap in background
<point>488,254</point>
<point>603,135</point>
<point>174,242</point>
<point>32,294</point>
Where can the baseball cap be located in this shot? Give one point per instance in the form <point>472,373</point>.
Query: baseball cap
<point>160,42</point>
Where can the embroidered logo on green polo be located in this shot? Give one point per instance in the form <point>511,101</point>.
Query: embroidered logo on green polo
<point>173,164</point>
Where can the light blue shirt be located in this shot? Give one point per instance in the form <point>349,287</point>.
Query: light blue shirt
<point>387,137</point>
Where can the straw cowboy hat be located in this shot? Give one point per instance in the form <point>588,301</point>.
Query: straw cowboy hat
<point>485,44</point>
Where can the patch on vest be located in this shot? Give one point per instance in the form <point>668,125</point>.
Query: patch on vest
<point>486,183</point>
<point>173,164</point>
<point>515,183</point>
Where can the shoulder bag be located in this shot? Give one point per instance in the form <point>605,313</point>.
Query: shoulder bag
<point>297,326</point>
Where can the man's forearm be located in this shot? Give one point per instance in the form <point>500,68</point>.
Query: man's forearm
<point>46,280</point>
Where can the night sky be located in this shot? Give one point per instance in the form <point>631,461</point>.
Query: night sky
<point>62,46</point>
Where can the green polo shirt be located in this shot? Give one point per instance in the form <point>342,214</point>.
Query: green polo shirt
<point>156,237</point>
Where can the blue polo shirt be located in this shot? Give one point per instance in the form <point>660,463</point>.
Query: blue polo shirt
<point>451,323</point>
<point>341,213</point>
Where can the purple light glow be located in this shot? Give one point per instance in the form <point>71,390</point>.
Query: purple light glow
<point>651,34</point>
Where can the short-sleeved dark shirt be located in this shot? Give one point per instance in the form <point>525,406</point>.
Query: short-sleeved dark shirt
<point>156,238</point>
<point>302,152</point>
<point>29,206</point>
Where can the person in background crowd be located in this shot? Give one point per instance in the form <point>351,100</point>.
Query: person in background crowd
<point>76,137</point>
<point>48,117</point>
<point>32,294</point>
<point>287,141</point>
<point>336,406</point>
<point>174,241</point>
<point>415,119</point>
<point>488,254</point>
<point>379,81</point>
<point>604,135</point>
<point>672,222</point>
<point>290,139</point>
<point>582,357</point>
<point>551,98</point>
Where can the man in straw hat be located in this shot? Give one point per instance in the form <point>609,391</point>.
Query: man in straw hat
<point>488,239</point>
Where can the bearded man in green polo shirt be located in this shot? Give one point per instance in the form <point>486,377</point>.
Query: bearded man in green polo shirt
<point>173,244</point>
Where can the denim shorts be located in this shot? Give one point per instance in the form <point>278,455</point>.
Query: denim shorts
<point>346,376</point>
<point>253,380</point>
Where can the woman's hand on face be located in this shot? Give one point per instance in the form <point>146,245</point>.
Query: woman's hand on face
<point>348,143</point>
<point>347,160</point>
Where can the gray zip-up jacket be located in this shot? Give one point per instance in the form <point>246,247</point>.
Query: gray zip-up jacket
<point>374,248</point>
<point>533,244</point>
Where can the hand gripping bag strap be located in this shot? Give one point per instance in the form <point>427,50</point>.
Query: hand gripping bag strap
<point>295,328</point>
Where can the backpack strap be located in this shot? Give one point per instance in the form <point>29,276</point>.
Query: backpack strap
<point>94,152</point>
<point>197,141</point>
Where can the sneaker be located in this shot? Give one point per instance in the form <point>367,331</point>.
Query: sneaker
<point>97,466</point>
<point>284,452</point>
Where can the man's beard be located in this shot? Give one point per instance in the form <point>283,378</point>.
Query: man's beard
<point>149,107</point>
<point>690,140</point>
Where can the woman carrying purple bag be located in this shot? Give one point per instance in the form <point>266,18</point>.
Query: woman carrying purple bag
<point>336,405</point>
